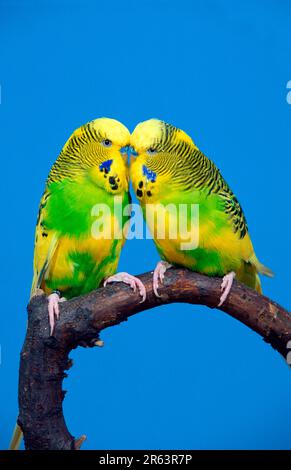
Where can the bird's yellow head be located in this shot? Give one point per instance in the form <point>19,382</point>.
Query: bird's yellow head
<point>158,154</point>
<point>98,149</point>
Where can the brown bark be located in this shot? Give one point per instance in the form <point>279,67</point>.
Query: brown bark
<point>44,359</point>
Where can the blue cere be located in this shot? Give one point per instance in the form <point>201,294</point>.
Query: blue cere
<point>125,149</point>
<point>133,152</point>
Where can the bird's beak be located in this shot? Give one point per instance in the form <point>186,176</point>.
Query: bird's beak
<point>124,151</point>
<point>133,152</point>
<point>128,151</point>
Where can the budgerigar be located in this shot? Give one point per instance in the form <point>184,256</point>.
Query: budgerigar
<point>169,169</point>
<point>71,259</point>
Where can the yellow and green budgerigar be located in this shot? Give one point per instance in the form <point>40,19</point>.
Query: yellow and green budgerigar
<point>70,258</point>
<point>170,171</point>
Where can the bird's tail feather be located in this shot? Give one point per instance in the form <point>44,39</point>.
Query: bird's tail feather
<point>247,274</point>
<point>261,268</point>
<point>258,286</point>
<point>16,438</point>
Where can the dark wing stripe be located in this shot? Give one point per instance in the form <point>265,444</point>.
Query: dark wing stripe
<point>191,169</point>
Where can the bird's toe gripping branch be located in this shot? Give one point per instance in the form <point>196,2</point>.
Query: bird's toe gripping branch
<point>53,308</point>
<point>159,275</point>
<point>132,281</point>
<point>226,285</point>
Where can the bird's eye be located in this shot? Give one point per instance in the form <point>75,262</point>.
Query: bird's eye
<point>106,143</point>
<point>151,151</point>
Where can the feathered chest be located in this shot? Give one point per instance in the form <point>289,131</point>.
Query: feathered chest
<point>72,206</point>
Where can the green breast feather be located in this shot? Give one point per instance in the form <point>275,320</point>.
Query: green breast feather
<point>69,214</point>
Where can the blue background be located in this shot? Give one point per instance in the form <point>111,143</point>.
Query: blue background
<point>219,70</point>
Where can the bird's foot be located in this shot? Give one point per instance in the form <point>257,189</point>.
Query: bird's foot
<point>159,275</point>
<point>132,281</point>
<point>53,309</point>
<point>225,287</point>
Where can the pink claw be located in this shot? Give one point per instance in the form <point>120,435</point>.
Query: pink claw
<point>226,284</point>
<point>159,274</point>
<point>53,309</point>
<point>132,281</point>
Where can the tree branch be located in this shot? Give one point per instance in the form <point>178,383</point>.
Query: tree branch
<point>44,359</point>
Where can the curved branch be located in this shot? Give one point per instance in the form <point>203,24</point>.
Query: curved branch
<point>44,359</point>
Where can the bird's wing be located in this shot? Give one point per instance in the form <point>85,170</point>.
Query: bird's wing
<point>233,209</point>
<point>231,206</point>
<point>211,180</point>
<point>46,242</point>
